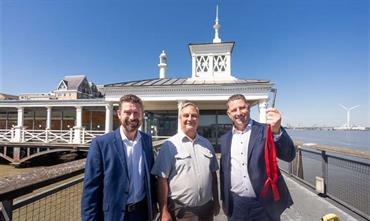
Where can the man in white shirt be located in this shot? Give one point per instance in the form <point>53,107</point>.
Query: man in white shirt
<point>243,171</point>
<point>186,171</point>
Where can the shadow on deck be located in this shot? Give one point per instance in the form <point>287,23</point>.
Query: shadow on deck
<point>308,206</point>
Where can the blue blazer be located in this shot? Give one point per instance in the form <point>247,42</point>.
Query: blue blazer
<point>106,182</point>
<point>285,150</point>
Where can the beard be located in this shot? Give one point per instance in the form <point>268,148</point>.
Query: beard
<point>131,125</point>
<point>241,121</point>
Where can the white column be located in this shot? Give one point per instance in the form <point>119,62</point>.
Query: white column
<point>20,116</point>
<point>179,105</point>
<point>48,118</point>
<point>78,116</point>
<point>262,105</point>
<point>108,118</point>
<point>211,69</point>
<point>18,129</point>
<point>193,67</point>
<point>228,64</point>
<point>78,126</point>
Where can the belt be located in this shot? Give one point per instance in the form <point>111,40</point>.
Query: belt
<point>135,206</point>
<point>179,210</point>
<point>179,204</point>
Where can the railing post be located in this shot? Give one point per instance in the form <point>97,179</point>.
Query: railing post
<point>290,168</point>
<point>297,164</point>
<point>47,135</point>
<point>83,135</point>
<point>23,135</point>
<point>6,210</point>
<point>18,134</point>
<point>324,166</point>
<point>77,135</point>
<point>70,135</point>
<point>12,137</point>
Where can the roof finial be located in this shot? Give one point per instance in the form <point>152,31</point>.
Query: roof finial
<point>162,65</point>
<point>216,26</point>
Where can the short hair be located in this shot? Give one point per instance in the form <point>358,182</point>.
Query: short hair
<point>236,97</point>
<point>188,103</point>
<point>131,98</point>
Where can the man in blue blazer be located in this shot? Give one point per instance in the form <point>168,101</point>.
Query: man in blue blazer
<point>118,184</point>
<point>242,165</point>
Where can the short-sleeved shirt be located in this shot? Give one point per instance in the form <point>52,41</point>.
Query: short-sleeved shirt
<point>188,166</point>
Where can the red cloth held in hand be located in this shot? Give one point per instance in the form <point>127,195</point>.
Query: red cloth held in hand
<point>271,167</point>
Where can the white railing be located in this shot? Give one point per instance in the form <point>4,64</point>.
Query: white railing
<point>63,136</point>
<point>6,135</point>
<point>88,135</point>
<point>22,135</point>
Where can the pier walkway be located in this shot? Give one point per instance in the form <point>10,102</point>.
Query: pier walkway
<point>65,202</point>
<point>346,179</point>
<point>308,206</point>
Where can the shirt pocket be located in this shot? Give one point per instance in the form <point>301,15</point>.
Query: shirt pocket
<point>183,162</point>
<point>207,159</point>
<point>207,153</point>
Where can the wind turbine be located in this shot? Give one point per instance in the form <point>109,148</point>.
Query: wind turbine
<point>348,109</point>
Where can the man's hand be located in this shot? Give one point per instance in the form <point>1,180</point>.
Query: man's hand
<point>273,117</point>
<point>166,216</point>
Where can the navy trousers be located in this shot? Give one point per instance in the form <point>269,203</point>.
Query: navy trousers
<point>138,212</point>
<point>248,209</point>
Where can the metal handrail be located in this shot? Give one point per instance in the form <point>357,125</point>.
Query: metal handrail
<point>323,155</point>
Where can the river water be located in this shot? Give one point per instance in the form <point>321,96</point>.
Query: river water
<point>338,138</point>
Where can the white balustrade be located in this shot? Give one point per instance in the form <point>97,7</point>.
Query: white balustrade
<point>48,136</point>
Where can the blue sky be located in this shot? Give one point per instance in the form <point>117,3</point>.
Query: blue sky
<point>316,52</point>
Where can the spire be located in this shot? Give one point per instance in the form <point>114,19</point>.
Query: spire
<point>216,26</point>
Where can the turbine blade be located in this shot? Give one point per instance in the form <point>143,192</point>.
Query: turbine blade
<point>342,106</point>
<point>351,108</point>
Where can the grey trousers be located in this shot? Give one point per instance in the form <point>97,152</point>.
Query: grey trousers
<point>180,212</point>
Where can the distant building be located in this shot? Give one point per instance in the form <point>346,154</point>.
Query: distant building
<point>70,88</point>
<point>37,96</point>
<point>76,87</point>
<point>8,97</point>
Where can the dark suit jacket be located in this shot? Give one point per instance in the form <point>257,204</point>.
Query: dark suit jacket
<point>285,150</point>
<point>106,182</point>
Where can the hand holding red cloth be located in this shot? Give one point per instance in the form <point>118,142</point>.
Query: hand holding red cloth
<point>271,167</point>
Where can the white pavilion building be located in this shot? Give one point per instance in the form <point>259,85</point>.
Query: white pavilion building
<point>209,85</point>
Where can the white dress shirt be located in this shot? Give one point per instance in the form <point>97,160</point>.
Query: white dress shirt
<point>135,167</point>
<point>240,182</point>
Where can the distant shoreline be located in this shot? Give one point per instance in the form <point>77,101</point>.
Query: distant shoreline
<point>329,128</point>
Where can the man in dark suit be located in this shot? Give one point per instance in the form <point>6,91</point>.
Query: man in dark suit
<point>117,183</point>
<point>242,165</point>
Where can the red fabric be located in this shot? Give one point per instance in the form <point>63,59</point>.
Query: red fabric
<point>271,167</point>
